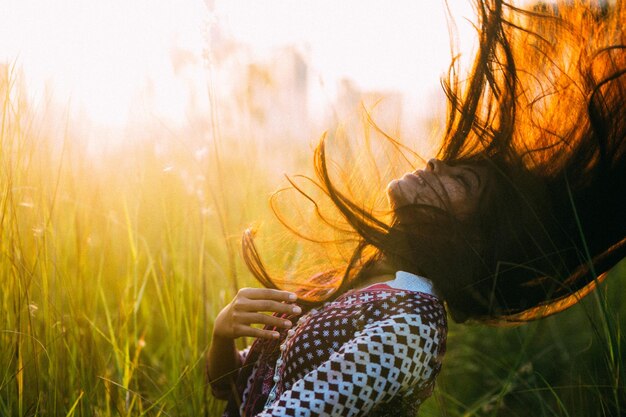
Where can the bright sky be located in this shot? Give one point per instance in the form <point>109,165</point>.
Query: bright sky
<point>97,56</point>
<point>378,43</point>
<point>104,58</point>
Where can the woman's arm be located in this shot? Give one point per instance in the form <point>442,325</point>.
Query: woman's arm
<point>235,321</point>
<point>223,364</point>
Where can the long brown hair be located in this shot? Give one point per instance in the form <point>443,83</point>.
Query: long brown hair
<point>543,111</point>
<point>545,104</point>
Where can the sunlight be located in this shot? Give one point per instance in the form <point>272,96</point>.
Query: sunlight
<point>404,47</point>
<point>121,63</point>
<point>143,144</point>
<point>102,58</point>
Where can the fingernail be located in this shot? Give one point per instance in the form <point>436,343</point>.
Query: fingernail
<point>293,297</point>
<point>287,323</point>
<point>296,310</point>
<point>275,335</point>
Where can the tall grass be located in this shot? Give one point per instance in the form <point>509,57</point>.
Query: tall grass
<point>570,364</point>
<point>113,266</point>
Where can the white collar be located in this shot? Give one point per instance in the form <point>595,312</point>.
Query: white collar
<point>411,282</point>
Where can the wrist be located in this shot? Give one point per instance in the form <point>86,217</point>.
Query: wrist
<point>221,332</point>
<point>221,329</point>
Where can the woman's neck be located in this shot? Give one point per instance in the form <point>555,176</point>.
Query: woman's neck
<point>381,271</point>
<point>373,280</point>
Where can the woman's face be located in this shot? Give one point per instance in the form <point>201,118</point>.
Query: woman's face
<point>454,188</point>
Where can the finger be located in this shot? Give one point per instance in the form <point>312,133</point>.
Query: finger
<point>259,318</point>
<point>266,305</point>
<point>268,294</point>
<point>247,331</point>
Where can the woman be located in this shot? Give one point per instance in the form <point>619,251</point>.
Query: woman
<point>521,216</point>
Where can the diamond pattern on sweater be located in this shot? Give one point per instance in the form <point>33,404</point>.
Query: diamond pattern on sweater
<point>381,351</point>
<point>385,359</point>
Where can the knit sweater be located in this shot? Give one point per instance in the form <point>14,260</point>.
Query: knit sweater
<point>371,352</point>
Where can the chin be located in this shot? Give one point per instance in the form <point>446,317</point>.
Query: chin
<point>392,184</point>
<point>393,189</point>
<point>394,195</point>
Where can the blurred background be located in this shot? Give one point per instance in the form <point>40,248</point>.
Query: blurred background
<point>138,141</point>
<point>131,66</point>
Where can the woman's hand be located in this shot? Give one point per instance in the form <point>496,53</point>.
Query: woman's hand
<point>236,319</point>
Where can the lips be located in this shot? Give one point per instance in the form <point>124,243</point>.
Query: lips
<point>415,176</point>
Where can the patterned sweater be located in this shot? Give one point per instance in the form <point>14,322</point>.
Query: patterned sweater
<point>371,352</point>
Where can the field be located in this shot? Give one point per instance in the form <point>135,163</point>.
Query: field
<point>114,263</point>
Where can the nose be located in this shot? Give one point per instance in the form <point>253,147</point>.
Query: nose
<point>434,165</point>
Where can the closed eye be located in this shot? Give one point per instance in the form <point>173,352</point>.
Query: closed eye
<point>470,179</point>
<point>463,181</point>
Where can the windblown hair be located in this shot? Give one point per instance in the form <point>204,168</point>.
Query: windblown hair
<point>543,110</point>
<point>545,106</point>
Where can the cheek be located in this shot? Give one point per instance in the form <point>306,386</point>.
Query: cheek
<point>455,192</point>
<point>458,198</point>
<point>464,207</point>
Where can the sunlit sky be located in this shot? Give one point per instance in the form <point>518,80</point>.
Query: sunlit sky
<point>104,58</point>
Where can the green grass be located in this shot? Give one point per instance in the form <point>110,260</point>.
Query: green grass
<point>570,364</point>
<point>114,265</point>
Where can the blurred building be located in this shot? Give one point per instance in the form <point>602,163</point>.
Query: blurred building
<point>385,108</point>
<point>277,95</point>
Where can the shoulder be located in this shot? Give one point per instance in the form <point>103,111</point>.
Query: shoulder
<point>383,302</point>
